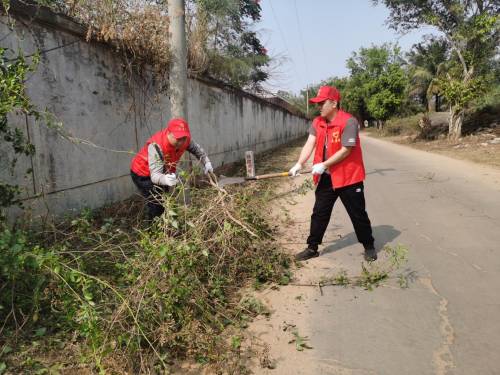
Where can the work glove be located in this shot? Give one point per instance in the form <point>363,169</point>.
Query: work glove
<point>170,179</point>
<point>297,167</point>
<point>318,168</point>
<point>208,167</point>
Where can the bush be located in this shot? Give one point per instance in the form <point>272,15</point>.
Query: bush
<point>489,103</point>
<point>149,295</point>
<point>403,126</point>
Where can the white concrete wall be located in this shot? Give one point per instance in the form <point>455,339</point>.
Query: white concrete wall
<point>86,87</point>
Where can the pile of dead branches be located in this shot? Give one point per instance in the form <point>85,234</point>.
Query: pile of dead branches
<point>151,295</point>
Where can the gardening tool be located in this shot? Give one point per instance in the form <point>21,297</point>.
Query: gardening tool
<point>239,180</point>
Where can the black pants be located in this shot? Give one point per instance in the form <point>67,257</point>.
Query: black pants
<point>353,198</point>
<point>151,193</point>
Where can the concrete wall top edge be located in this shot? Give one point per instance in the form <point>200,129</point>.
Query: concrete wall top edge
<point>45,15</point>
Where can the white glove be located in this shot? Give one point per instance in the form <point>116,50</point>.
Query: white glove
<point>170,179</point>
<point>297,167</point>
<point>208,167</point>
<point>318,168</point>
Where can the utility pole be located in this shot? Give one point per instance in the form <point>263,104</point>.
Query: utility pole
<point>307,98</point>
<point>178,73</point>
<point>178,63</point>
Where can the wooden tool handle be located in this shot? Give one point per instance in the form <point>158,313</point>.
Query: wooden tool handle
<point>273,175</point>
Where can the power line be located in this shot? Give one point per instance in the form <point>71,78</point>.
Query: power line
<point>294,67</point>
<point>301,41</point>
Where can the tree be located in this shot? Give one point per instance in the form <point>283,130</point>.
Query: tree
<point>300,101</point>
<point>375,89</point>
<point>426,65</point>
<point>235,53</point>
<point>472,27</point>
<point>378,83</point>
<point>220,39</point>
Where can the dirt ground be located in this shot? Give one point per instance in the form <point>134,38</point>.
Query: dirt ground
<point>283,329</point>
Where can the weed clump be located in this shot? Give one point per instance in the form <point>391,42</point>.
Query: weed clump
<point>149,295</point>
<point>373,273</point>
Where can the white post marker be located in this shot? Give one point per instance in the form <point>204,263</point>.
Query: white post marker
<point>250,164</point>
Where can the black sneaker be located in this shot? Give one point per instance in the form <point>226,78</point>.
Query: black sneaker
<point>370,254</point>
<point>307,254</point>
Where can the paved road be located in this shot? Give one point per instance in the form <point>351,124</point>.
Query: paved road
<point>447,212</point>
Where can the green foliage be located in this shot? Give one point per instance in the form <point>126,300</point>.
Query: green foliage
<point>489,103</point>
<point>427,63</point>
<point>473,30</point>
<point>380,80</point>
<point>403,125</point>
<point>300,101</point>
<point>376,88</point>
<point>461,92</point>
<point>142,294</point>
<point>299,341</point>
<point>341,278</point>
<point>14,68</point>
<point>235,52</point>
<point>387,93</point>
<point>307,185</point>
<point>374,272</point>
<point>13,73</point>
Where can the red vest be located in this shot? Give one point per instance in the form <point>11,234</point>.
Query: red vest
<point>172,156</point>
<point>350,170</point>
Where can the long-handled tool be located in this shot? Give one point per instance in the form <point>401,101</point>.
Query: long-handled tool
<point>239,180</point>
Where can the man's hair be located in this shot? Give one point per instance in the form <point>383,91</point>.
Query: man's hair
<point>338,103</point>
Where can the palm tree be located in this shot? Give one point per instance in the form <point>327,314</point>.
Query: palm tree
<point>427,62</point>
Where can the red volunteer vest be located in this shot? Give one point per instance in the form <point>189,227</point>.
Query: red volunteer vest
<point>350,170</point>
<point>172,156</point>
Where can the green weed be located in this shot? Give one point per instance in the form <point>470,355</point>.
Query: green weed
<point>299,341</point>
<point>149,295</point>
<point>374,272</point>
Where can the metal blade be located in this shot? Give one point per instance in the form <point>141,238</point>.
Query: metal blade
<point>230,181</point>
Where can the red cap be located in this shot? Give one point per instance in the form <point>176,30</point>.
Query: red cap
<point>179,128</point>
<point>324,93</point>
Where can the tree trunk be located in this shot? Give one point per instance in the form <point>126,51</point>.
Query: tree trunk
<point>455,125</point>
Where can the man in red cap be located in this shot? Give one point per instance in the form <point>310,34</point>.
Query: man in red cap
<point>338,172</point>
<point>153,169</point>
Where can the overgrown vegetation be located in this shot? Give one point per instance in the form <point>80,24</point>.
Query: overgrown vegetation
<point>220,41</point>
<point>14,70</point>
<point>111,298</point>
<point>403,125</point>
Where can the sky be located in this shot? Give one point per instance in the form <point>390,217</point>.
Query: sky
<point>330,29</point>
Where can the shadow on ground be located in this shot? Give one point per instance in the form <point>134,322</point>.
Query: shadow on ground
<point>383,235</point>
<point>380,171</point>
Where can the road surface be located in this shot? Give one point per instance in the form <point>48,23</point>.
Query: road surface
<point>447,212</point>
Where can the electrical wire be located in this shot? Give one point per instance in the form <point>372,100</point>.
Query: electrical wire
<point>294,67</point>
<point>302,42</point>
